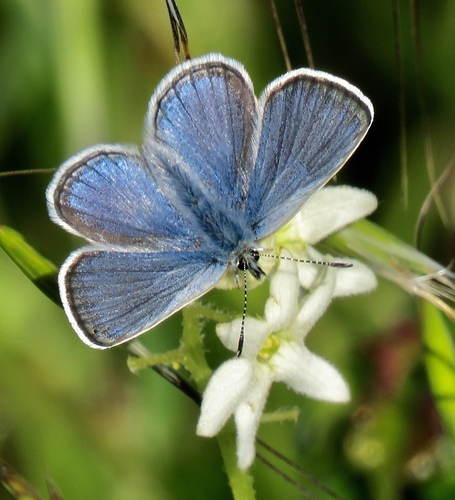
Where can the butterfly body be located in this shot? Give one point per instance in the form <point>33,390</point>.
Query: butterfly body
<point>218,172</point>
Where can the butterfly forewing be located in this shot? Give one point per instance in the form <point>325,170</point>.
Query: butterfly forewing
<point>108,195</point>
<point>205,112</point>
<point>312,122</point>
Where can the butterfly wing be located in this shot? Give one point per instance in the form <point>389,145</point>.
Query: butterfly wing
<point>110,297</point>
<point>204,112</point>
<point>312,122</point>
<point>107,194</point>
<point>150,263</point>
<point>157,254</point>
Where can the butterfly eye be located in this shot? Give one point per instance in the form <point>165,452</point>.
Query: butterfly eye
<point>255,255</point>
<point>243,264</point>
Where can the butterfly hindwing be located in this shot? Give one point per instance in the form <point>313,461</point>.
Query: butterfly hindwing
<point>113,296</point>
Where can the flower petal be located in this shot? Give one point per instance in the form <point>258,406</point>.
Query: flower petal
<point>248,415</point>
<point>255,330</point>
<point>353,280</point>
<point>314,304</point>
<point>329,210</point>
<point>225,390</point>
<point>308,374</point>
<point>281,306</point>
<point>311,275</point>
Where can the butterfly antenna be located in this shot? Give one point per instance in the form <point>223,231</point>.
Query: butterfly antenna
<point>242,326</point>
<point>178,31</point>
<point>341,265</point>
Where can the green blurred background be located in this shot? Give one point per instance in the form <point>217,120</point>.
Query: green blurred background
<point>79,72</point>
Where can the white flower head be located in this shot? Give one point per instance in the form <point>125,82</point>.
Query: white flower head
<point>274,349</point>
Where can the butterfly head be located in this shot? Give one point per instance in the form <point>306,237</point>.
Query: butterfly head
<point>248,261</point>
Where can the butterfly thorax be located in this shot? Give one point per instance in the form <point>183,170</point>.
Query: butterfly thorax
<point>225,227</point>
<point>231,236</point>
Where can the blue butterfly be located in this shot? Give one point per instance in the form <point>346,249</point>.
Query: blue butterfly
<point>219,171</point>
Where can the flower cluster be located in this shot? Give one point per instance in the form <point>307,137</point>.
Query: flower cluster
<point>274,350</point>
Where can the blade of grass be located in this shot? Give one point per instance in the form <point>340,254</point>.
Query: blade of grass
<point>39,270</point>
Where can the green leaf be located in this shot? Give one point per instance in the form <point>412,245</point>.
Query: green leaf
<point>439,358</point>
<point>39,270</point>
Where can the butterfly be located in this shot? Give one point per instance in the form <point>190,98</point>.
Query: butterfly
<point>219,171</point>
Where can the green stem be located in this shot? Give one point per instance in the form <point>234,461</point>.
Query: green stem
<point>241,482</point>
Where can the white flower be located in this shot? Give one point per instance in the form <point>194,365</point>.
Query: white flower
<point>274,349</point>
